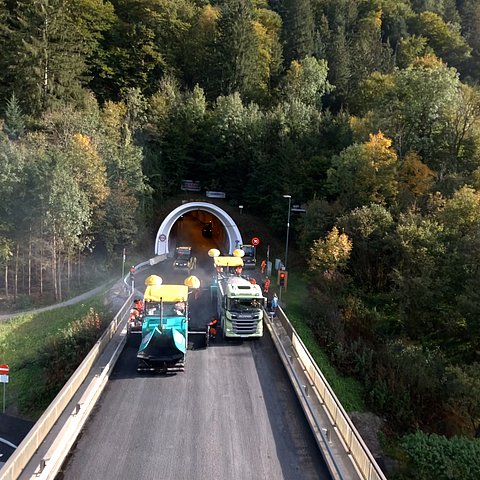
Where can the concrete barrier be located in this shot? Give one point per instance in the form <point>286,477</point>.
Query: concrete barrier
<point>337,437</point>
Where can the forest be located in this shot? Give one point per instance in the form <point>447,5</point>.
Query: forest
<point>366,111</point>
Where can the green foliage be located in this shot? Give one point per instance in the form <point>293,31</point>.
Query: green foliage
<point>14,119</point>
<point>64,351</point>
<point>330,254</point>
<point>446,41</point>
<point>306,80</point>
<point>48,66</point>
<point>347,389</point>
<point>365,173</point>
<point>370,228</point>
<point>463,384</point>
<point>29,343</point>
<point>433,456</point>
<point>298,31</point>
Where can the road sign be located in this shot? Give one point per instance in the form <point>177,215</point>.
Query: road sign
<point>162,237</point>
<point>211,194</point>
<point>191,186</point>
<point>255,241</point>
<point>4,369</point>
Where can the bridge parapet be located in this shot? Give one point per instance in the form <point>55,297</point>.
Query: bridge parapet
<point>346,454</point>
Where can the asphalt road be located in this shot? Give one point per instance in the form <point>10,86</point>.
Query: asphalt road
<point>231,415</point>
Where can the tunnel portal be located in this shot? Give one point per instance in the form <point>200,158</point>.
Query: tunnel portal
<point>202,225</point>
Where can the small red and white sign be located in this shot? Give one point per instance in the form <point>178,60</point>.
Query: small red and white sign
<point>4,371</point>
<point>162,237</point>
<point>255,241</point>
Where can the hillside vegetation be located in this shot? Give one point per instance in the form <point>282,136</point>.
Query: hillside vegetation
<point>366,112</point>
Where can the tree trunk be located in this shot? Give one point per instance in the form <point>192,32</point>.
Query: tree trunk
<point>15,277</point>
<point>59,275</point>
<point>54,267</point>
<point>29,274</point>
<point>6,279</point>
<point>69,271</point>
<point>41,261</point>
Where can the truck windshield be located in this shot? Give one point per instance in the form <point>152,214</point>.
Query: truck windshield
<point>183,254</point>
<point>239,304</point>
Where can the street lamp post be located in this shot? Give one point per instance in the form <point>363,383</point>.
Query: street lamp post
<point>288,227</point>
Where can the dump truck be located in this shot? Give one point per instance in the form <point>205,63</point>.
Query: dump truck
<point>184,259</point>
<point>240,303</point>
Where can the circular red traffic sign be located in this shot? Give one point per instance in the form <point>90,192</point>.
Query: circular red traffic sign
<point>163,237</point>
<point>255,241</point>
<point>4,369</point>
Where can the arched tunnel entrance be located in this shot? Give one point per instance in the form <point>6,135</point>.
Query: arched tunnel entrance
<point>200,225</point>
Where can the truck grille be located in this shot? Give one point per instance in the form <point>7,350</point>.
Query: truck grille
<point>244,326</point>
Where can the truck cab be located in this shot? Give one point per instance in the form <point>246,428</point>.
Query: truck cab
<point>184,259</point>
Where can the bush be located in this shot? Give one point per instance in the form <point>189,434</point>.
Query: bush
<point>66,350</point>
<point>434,457</point>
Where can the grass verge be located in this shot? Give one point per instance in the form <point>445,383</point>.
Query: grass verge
<point>348,390</point>
<point>22,342</point>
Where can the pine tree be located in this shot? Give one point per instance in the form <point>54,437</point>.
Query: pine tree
<point>236,49</point>
<point>14,120</point>
<point>48,63</point>
<point>298,29</point>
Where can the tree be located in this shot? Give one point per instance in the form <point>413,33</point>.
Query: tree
<point>415,108</point>
<point>48,64</point>
<point>330,254</point>
<point>306,80</point>
<point>464,394</point>
<point>236,51</point>
<point>370,228</point>
<point>368,50</point>
<point>365,173</point>
<point>14,125</point>
<point>421,247</point>
<point>339,61</point>
<point>318,219</point>
<point>298,29</point>
<point>415,179</point>
<point>119,225</point>
<point>410,48</point>
<point>447,43</point>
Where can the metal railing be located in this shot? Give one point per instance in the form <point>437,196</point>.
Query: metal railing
<point>340,422</point>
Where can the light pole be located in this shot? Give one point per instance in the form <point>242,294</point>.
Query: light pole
<point>288,227</point>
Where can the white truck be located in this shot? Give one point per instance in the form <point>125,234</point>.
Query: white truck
<point>240,304</point>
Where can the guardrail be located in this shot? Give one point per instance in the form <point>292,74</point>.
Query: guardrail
<point>339,421</point>
<point>26,450</point>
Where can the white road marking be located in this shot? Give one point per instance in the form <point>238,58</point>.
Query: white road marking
<point>6,442</point>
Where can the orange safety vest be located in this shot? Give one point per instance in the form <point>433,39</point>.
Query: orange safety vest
<point>213,325</point>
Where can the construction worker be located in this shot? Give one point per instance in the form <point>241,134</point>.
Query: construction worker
<point>134,314</point>
<point>266,285</point>
<point>213,328</point>
<point>138,304</point>
<point>263,265</point>
<point>238,271</point>
<point>179,308</point>
<point>274,302</point>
